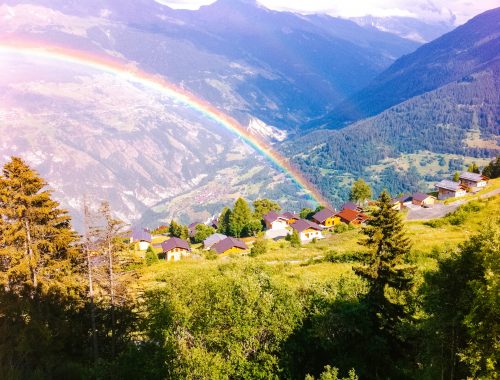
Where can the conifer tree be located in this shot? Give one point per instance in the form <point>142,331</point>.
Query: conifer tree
<point>386,273</point>
<point>36,240</point>
<point>224,220</point>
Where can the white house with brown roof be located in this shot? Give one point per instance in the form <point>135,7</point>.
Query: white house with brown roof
<point>424,200</point>
<point>449,189</point>
<point>473,181</point>
<point>174,249</point>
<point>274,221</point>
<point>307,230</point>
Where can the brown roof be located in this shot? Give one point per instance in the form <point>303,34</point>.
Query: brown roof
<point>303,224</point>
<point>351,215</point>
<point>323,215</point>
<point>290,215</point>
<point>228,243</point>
<point>174,242</point>
<point>272,216</point>
<point>419,197</point>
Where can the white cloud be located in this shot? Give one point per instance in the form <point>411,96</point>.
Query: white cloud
<point>429,10</point>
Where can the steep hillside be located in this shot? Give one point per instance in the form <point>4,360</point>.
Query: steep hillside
<point>280,67</point>
<point>412,144</point>
<point>464,51</point>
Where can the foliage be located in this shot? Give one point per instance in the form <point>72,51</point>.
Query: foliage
<point>360,192</point>
<point>239,218</point>
<point>456,176</point>
<point>342,227</point>
<point>306,213</point>
<point>259,246</point>
<point>332,373</point>
<point>461,298</point>
<point>178,230</point>
<point>202,231</point>
<point>224,221</point>
<point>294,239</point>
<point>473,168</point>
<point>492,170</point>
<point>263,206</point>
<point>151,256</point>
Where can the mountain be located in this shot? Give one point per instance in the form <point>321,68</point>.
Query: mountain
<point>464,51</point>
<point>427,137</point>
<point>90,132</point>
<point>407,27</point>
<point>280,67</point>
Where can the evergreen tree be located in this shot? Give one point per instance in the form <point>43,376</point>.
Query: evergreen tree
<point>295,239</point>
<point>306,213</point>
<point>388,277</point>
<point>360,192</point>
<point>176,230</point>
<point>36,240</point>
<point>263,206</point>
<point>202,231</point>
<point>151,257</point>
<point>224,221</point>
<point>456,176</point>
<point>239,218</point>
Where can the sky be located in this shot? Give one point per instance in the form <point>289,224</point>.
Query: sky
<point>429,10</point>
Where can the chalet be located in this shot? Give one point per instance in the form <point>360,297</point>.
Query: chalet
<point>307,230</point>
<point>290,217</point>
<point>174,249</point>
<point>141,236</point>
<point>230,245</point>
<point>473,181</point>
<point>396,205</point>
<point>351,206</point>
<point>274,221</point>
<point>424,200</point>
<point>326,218</point>
<point>352,217</point>
<point>212,240</point>
<point>404,201</point>
<point>449,189</point>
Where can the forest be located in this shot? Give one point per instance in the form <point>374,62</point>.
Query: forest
<point>76,306</point>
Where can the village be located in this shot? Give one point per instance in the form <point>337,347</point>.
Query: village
<point>214,237</point>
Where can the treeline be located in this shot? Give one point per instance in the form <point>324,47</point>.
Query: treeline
<point>67,310</point>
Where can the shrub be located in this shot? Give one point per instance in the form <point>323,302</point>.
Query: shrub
<point>259,247</point>
<point>340,228</point>
<point>151,257</point>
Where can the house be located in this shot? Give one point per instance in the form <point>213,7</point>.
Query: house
<point>449,189</point>
<point>213,239</point>
<point>214,223</point>
<point>274,221</point>
<point>405,201</point>
<point>424,200</point>
<point>351,206</point>
<point>307,230</point>
<point>141,236</point>
<point>326,218</point>
<point>290,217</point>
<point>174,249</point>
<point>473,181</point>
<point>230,245</point>
<point>396,205</point>
<point>352,217</point>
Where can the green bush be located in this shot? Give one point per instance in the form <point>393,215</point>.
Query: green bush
<point>340,228</point>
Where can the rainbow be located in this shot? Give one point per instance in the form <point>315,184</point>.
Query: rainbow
<point>131,73</point>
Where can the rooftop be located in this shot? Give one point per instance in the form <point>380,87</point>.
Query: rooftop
<point>449,185</point>
<point>323,215</point>
<point>475,177</point>
<point>303,224</point>
<point>228,243</point>
<point>174,242</point>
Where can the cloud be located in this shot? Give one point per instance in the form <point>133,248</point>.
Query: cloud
<point>457,11</point>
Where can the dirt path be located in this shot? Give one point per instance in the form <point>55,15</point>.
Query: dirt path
<point>440,209</point>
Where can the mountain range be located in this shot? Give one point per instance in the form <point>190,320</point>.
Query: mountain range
<point>436,110</point>
<point>279,74</point>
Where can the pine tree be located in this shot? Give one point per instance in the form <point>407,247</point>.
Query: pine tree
<point>456,176</point>
<point>36,240</point>
<point>263,206</point>
<point>386,273</point>
<point>295,239</point>
<point>492,170</point>
<point>239,218</point>
<point>473,168</point>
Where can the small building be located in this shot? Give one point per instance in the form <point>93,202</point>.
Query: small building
<point>142,237</point>
<point>449,189</point>
<point>473,181</point>
<point>352,217</point>
<point>424,200</point>
<point>405,201</point>
<point>290,217</point>
<point>351,206</point>
<point>230,245</point>
<point>174,249</point>
<point>326,218</point>
<point>396,205</point>
<point>274,221</point>
<point>307,230</point>
<point>212,240</point>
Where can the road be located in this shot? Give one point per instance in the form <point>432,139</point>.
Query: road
<point>440,209</point>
